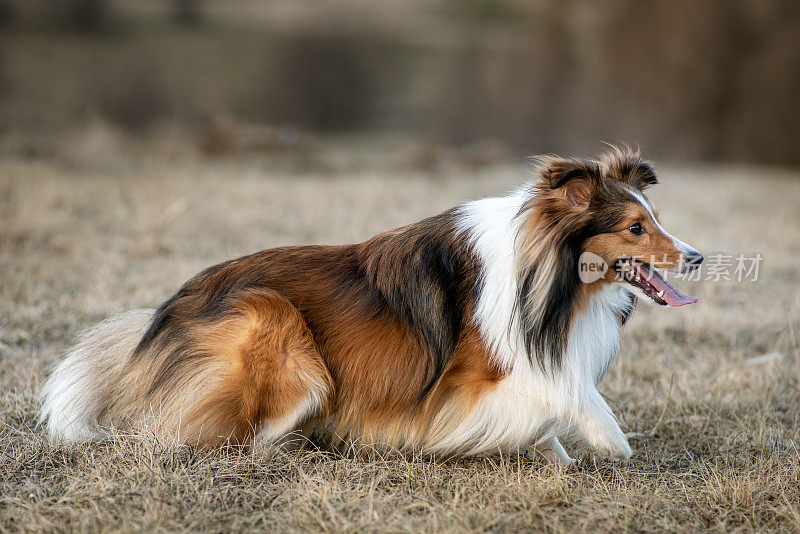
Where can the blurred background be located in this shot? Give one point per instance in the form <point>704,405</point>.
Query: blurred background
<point>329,84</point>
<point>144,140</point>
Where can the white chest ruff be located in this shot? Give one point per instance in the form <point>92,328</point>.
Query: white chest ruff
<point>529,404</point>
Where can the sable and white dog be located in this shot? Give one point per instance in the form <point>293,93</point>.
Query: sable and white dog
<point>467,332</point>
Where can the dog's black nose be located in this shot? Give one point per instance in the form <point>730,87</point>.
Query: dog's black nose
<point>694,258</point>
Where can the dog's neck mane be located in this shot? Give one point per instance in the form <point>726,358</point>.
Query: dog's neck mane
<point>527,307</point>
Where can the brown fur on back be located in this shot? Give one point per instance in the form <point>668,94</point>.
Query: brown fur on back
<point>388,319</point>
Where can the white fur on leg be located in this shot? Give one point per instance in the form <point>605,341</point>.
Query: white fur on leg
<point>599,428</point>
<point>553,451</point>
<point>282,432</point>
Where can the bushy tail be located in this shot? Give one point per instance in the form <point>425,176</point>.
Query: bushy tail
<point>253,369</point>
<point>89,378</point>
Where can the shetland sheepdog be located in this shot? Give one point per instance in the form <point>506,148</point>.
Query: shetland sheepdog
<point>468,332</point>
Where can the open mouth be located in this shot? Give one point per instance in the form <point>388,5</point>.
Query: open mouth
<point>649,280</point>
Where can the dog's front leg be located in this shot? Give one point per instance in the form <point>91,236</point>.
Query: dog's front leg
<point>598,426</point>
<point>552,450</point>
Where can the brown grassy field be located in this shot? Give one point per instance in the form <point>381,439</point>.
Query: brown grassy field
<point>711,391</point>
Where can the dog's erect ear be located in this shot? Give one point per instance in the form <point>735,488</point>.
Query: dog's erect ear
<point>642,176</point>
<point>578,180</point>
<point>628,166</point>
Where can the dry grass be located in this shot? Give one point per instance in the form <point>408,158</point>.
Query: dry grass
<point>718,444</point>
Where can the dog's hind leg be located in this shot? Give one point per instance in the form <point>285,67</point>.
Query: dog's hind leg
<point>275,377</point>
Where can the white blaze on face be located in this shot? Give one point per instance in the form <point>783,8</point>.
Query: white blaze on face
<point>687,251</point>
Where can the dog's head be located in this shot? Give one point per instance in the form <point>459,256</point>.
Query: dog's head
<point>603,210</point>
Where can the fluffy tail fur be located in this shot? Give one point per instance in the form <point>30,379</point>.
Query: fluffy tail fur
<point>86,382</point>
<point>254,370</point>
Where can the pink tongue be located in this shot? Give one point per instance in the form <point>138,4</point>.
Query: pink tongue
<point>671,296</point>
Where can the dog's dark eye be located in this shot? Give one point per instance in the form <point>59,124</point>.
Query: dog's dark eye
<point>636,228</point>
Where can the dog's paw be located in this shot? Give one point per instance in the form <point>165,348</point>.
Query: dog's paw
<point>600,430</point>
<point>617,449</point>
<point>619,455</point>
<point>611,444</point>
